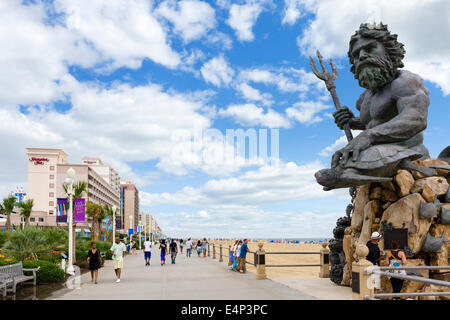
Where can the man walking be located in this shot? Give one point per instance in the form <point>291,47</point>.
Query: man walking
<point>118,248</point>
<point>147,251</point>
<point>188,247</point>
<point>243,256</point>
<point>173,248</point>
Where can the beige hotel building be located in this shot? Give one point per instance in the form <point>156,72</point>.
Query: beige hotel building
<point>47,170</point>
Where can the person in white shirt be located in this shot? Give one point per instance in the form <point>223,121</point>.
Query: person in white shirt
<point>188,247</point>
<point>147,251</point>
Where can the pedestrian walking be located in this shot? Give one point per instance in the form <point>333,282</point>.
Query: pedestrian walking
<point>163,248</point>
<point>199,247</point>
<point>118,248</point>
<point>133,247</point>
<point>181,246</point>
<point>189,245</point>
<point>94,261</point>
<point>234,248</point>
<point>204,246</point>
<point>173,248</point>
<point>242,256</point>
<point>147,251</point>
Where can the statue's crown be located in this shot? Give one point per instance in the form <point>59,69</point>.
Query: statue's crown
<point>374,26</point>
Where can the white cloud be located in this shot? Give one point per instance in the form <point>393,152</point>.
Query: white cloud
<point>306,111</point>
<point>123,32</point>
<point>217,71</point>
<point>295,9</point>
<point>251,115</point>
<point>191,19</point>
<point>427,51</point>
<point>253,94</point>
<point>203,214</point>
<point>243,17</point>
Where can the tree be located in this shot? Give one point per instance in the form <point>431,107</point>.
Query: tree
<point>97,213</point>
<point>26,243</point>
<point>7,208</point>
<point>27,207</point>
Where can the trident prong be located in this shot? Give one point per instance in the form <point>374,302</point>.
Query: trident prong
<point>329,78</point>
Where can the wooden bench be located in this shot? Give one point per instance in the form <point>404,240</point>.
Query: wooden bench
<point>12,274</point>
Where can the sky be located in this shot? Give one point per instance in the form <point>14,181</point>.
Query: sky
<point>153,87</point>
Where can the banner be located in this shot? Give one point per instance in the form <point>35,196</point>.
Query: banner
<point>130,231</point>
<point>79,210</point>
<point>62,209</point>
<point>109,223</point>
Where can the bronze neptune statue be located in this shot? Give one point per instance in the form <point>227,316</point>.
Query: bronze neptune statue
<point>393,113</point>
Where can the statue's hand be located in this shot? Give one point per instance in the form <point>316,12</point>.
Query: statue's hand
<point>353,148</point>
<point>342,116</point>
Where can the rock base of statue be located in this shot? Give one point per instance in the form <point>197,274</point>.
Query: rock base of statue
<point>413,202</point>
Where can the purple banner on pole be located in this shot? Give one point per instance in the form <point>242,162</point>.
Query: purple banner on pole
<point>79,210</point>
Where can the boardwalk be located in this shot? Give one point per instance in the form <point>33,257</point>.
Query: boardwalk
<point>190,278</point>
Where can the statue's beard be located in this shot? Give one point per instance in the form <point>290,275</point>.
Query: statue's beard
<point>374,73</point>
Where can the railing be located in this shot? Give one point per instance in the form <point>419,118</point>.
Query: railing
<point>260,264</point>
<point>363,282</point>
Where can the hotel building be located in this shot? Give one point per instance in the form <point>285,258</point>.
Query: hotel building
<point>129,205</point>
<point>47,171</point>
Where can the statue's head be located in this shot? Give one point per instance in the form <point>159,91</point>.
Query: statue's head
<point>375,55</point>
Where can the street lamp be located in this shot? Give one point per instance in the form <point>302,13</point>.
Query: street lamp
<point>114,208</point>
<point>69,182</point>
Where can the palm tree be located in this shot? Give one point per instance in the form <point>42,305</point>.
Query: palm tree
<point>7,208</point>
<point>97,213</point>
<point>26,243</point>
<point>27,207</point>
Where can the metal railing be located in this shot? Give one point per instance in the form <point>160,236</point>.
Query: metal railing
<point>379,271</point>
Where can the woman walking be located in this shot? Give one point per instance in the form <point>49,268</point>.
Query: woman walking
<point>204,246</point>
<point>181,246</point>
<point>133,247</point>
<point>199,248</point>
<point>173,250</point>
<point>94,261</point>
<point>396,258</point>
<point>163,248</point>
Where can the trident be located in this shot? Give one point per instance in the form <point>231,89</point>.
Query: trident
<point>331,87</point>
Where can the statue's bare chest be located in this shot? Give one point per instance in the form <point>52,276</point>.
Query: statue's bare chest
<point>377,108</point>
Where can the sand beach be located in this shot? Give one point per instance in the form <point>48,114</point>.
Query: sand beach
<point>275,259</point>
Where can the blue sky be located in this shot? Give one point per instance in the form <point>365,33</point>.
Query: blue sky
<point>119,80</point>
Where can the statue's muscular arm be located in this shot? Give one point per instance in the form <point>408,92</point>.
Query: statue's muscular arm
<point>355,123</point>
<point>412,105</point>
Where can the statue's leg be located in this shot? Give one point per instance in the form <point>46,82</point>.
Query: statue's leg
<point>428,172</point>
<point>335,178</point>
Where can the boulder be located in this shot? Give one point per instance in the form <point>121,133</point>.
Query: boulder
<point>404,181</point>
<point>428,194</point>
<point>389,185</point>
<point>440,258</point>
<point>361,198</point>
<point>405,214</point>
<point>438,185</point>
<point>388,195</point>
<point>375,193</point>
<point>370,211</point>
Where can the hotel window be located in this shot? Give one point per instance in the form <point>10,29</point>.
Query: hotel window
<point>41,219</point>
<point>52,176</point>
<point>52,168</point>
<point>51,194</point>
<point>50,211</point>
<point>52,185</point>
<point>32,219</point>
<point>51,204</point>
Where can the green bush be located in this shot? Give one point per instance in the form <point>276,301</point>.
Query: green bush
<point>4,237</point>
<point>48,272</point>
<point>81,254</point>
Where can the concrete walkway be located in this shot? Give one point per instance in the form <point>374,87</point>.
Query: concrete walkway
<point>190,278</point>
<point>320,288</point>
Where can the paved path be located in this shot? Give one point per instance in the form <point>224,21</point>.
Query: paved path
<point>190,278</point>
<point>320,288</point>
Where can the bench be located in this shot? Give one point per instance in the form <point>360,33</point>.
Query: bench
<point>12,274</point>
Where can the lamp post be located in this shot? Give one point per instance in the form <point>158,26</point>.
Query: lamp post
<point>69,182</point>
<point>140,227</point>
<point>114,208</point>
